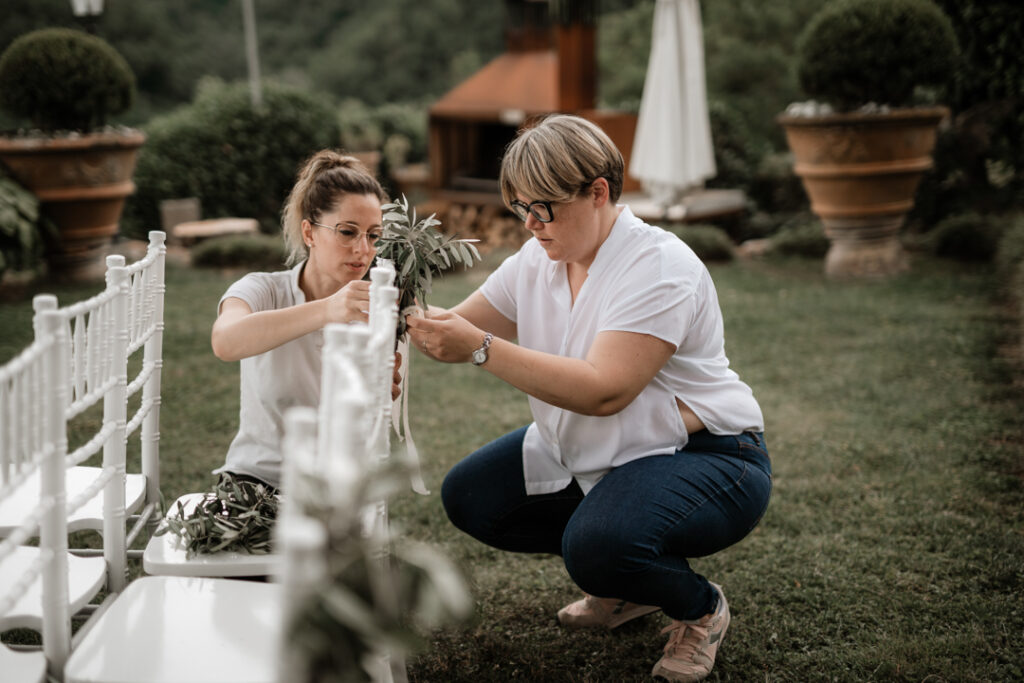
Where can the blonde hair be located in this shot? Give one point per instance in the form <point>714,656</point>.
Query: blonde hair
<point>323,180</point>
<point>558,159</point>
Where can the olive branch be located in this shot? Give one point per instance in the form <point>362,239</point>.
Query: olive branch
<point>419,253</point>
<point>236,515</point>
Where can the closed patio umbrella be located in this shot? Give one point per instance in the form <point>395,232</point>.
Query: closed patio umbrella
<point>672,150</point>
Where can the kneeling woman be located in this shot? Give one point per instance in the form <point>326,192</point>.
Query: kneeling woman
<point>273,322</point>
<point>646,449</point>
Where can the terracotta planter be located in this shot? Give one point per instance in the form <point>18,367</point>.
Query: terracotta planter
<point>861,172</point>
<point>82,183</point>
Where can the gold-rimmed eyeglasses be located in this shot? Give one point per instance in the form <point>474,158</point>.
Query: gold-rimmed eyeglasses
<point>346,236</point>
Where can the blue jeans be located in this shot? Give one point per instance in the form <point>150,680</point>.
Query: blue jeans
<point>630,537</point>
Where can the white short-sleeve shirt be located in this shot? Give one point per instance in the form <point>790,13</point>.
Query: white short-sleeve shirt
<point>273,381</point>
<point>643,280</point>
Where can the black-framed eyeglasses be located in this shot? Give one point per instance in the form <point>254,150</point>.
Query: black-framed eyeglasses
<point>539,210</point>
<point>347,236</point>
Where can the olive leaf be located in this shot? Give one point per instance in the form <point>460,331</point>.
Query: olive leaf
<point>419,253</point>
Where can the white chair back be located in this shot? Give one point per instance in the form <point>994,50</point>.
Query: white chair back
<point>105,331</point>
<point>146,329</point>
<point>349,433</point>
<point>32,440</point>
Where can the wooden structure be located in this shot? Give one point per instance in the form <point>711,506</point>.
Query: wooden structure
<point>549,65</point>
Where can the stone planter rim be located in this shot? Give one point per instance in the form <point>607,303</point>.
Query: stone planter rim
<point>894,116</point>
<point>40,143</point>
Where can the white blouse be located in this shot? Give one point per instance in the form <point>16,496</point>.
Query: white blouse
<point>642,280</point>
<point>273,381</point>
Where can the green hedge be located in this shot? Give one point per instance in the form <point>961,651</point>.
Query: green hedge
<point>709,242</point>
<point>239,161</point>
<point>252,252</point>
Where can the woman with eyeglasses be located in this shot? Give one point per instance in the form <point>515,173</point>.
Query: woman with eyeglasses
<point>646,449</point>
<point>273,322</point>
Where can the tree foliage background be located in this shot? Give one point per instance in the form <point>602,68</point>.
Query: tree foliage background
<point>382,63</point>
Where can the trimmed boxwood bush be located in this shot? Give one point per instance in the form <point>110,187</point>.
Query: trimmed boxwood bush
<point>709,242</point>
<point>63,79</point>
<point>252,252</point>
<point>239,161</point>
<point>858,51</point>
<point>802,235</point>
<point>966,237</point>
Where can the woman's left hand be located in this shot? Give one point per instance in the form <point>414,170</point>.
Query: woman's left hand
<point>444,336</point>
<point>396,378</point>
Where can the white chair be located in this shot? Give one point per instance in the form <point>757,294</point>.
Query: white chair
<point>351,433</point>
<point>104,331</point>
<point>166,555</point>
<point>34,580</point>
<point>174,628</point>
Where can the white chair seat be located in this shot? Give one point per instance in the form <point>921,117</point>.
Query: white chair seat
<point>86,576</point>
<point>166,555</point>
<point>22,667</point>
<point>175,629</point>
<point>89,516</point>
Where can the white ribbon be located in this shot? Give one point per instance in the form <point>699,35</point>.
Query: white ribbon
<point>400,412</point>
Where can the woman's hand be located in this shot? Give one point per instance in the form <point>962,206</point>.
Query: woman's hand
<point>396,378</point>
<point>349,304</point>
<point>444,336</point>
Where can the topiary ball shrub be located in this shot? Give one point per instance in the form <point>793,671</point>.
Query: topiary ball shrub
<point>238,160</point>
<point>854,52</point>
<point>252,252</point>
<point>63,79</point>
<point>966,237</point>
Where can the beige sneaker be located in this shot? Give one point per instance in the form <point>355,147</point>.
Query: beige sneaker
<point>607,612</point>
<point>692,645</point>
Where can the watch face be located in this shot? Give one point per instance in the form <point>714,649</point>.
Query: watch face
<point>479,356</point>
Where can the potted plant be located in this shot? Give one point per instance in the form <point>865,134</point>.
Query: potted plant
<point>862,146</point>
<point>66,83</point>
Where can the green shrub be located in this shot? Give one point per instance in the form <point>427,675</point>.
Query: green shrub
<point>1009,255</point>
<point>979,159</point>
<point>63,79</point>
<point>252,252</point>
<point>1009,260</point>
<point>20,225</point>
<point>801,235</point>
<point>858,51</point>
<point>966,237</point>
<point>737,152</point>
<point>709,242</point>
<point>239,161</point>
<point>775,187</point>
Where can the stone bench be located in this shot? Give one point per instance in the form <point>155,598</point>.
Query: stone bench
<point>193,231</point>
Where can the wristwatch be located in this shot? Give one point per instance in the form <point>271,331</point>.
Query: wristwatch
<point>480,355</point>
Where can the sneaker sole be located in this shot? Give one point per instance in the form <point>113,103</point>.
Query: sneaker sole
<point>616,620</point>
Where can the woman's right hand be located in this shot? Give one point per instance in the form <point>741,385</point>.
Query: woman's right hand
<point>349,304</point>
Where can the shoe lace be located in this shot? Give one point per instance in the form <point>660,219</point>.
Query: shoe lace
<point>685,639</point>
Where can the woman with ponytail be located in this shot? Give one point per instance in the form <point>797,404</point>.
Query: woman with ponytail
<point>273,322</point>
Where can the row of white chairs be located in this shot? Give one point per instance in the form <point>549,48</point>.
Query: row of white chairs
<point>78,365</point>
<point>188,627</point>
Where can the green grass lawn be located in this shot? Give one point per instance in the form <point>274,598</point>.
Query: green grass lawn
<point>893,548</point>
